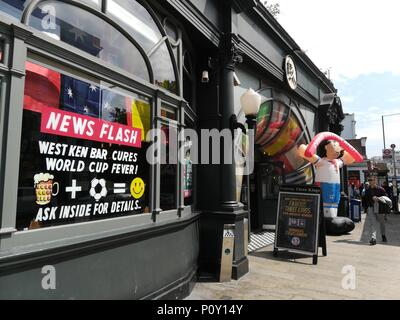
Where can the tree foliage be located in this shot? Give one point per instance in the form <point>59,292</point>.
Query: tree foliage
<point>272,7</point>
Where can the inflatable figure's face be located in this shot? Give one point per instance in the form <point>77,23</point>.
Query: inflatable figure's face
<point>333,150</point>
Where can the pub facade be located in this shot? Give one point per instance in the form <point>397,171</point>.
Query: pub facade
<point>85,84</point>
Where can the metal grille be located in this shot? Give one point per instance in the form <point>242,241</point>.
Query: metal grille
<point>261,240</point>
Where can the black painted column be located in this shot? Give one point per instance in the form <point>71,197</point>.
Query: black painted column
<point>229,56</point>
<point>226,210</point>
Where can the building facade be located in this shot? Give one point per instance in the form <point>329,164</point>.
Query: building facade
<point>390,165</point>
<point>83,82</point>
<point>349,127</point>
<point>357,173</point>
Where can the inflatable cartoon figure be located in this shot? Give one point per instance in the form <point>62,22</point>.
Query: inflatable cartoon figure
<point>329,152</point>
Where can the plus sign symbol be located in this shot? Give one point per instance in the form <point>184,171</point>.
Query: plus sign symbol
<point>73,189</point>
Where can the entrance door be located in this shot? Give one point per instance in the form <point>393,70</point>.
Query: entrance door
<point>268,182</point>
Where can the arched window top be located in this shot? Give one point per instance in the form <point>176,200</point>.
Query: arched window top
<point>125,33</point>
<point>89,33</point>
<point>93,3</point>
<point>137,21</point>
<point>171,30</point>
<point>140,24</point>
<point>13,8</point>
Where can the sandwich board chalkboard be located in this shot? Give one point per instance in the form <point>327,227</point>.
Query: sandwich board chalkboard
<point>298,221</point>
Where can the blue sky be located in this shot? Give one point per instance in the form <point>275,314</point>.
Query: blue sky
<point>355,40</point>
<point>369,97</point>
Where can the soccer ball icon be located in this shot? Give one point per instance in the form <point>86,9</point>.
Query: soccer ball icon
<point>96,185</point>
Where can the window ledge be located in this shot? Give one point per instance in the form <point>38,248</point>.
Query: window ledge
<point>61,247</point>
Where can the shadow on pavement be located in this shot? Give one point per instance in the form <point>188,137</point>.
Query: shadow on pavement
<point>284,256</point>
<point>358,243</point>
<point>392,233</point>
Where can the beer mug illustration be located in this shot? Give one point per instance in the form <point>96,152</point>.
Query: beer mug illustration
<point>44,187</point>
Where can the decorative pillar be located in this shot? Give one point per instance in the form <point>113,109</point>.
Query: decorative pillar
<point>228,210</point>
<point>229,56</point>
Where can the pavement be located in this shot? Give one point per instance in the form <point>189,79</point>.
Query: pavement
<point>352,270</point>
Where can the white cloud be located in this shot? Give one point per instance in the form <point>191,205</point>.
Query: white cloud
<point>357,41</point>
<point>395,99</point>
<point>350,37</point>
<point>347,99</point>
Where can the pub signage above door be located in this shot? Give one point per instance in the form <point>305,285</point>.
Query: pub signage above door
<point>290,72</point>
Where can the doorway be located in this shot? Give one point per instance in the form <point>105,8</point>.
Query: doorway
<point>264,191</point>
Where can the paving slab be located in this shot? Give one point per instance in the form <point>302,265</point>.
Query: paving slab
<point>293,277</point>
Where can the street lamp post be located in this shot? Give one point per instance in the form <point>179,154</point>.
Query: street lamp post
<point>383,131</point>
<point>394,179</point>
<point>383,126</point>
<point>250,102</point>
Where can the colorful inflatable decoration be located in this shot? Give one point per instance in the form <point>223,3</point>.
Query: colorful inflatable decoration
<point>281,137</point>
<point>338,226</point>
<point>329,153</point>
<point>279,133</point>
<point>323,136</point>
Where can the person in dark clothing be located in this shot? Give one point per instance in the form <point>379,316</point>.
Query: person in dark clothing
<point>388,189</point>
<point>363,198</point>
<point>374,218</point>
<point>353,191</point>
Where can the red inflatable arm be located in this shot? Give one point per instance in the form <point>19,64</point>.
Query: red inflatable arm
<point>312,147</point>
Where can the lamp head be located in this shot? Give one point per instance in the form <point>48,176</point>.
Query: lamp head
<point>205,78</point>
<point>250,102</point>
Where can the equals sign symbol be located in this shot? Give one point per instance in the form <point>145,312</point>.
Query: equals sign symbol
<point>119,188</point>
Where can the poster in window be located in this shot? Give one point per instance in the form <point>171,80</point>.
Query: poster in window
<point>188,175</point>
<point>83,156</point>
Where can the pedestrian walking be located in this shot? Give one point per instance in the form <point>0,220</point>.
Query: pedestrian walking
<point>388,189</point>
<point>363,198</point>
<point>360,189</point>
<point>375,198</point>
<point>352,191</point>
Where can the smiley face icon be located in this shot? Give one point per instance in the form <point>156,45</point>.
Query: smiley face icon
<point>137,188</point>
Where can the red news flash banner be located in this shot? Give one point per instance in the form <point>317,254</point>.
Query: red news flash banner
<point>69,124</point>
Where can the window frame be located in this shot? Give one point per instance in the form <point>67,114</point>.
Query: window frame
<point>4,98</point>
<point>28,45</point>
<point>27,13</point>
<point>189,116</point>
<point>177,125</point>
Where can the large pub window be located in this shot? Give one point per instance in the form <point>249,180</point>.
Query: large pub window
<point>83,150</point>
<point>169,165</point>
<point>188,164</point>
<point>84,126</point>
<point>189,80</point>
